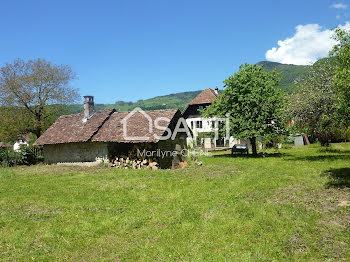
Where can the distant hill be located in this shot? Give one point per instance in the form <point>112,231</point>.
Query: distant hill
<point>290,74</point>
<point>178,100</point>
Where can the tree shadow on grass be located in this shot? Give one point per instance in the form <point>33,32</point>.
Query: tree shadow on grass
<point>322,158</point>
<point>270,155</point>
<point>333,150</point>
<point>339,177</point>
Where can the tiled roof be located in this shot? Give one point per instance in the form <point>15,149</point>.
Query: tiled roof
<point>106,126</point>
<point>207,96</point>
<point>71,128</point>
<point>25,137</point>
<point>137,125</point>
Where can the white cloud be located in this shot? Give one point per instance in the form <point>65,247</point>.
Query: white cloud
<point>309,43</point>
<point>339,6</point>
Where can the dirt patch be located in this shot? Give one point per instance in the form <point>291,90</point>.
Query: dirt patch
<point>210,172</point>
<point>331,204</point>
<point>322,200</point>
<point>31,211</point>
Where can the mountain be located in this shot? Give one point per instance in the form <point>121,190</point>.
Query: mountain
<point>177,100</point>
<point>289,74</point>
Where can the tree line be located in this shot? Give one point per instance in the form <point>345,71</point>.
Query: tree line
<point>32,94</point>
<point>320,107</point>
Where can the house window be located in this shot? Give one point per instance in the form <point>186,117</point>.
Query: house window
<point>199,124</point>
<point>192,124</point>
<point>201,107</point>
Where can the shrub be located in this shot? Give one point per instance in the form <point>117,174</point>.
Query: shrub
<point>273,141</point>
<point>26,156</point>
<point>347,135</point>
<point>8,157</point>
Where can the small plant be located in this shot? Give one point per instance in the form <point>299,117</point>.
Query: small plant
<point>25,156</point>
<point>347,135</point>
<point>274,141</point>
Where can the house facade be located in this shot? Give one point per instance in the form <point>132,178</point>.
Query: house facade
<point>94,136</point>
<point>204,128</point>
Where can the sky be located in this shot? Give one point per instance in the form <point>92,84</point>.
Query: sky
<point>130,50</point>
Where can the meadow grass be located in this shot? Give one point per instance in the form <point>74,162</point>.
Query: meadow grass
<point>291,206</point>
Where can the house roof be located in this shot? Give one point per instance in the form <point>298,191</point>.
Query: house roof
<point>207,96</point>
<point>3,144</point>
<point>24,137</point>
<point>71,128</point>
<point>137,125</point>
<point>105,126</point>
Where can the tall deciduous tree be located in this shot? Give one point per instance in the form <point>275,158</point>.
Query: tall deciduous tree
<point>314,107</point>
<point>253,103</point>
<point>35,84</point>
<point>341,51</point>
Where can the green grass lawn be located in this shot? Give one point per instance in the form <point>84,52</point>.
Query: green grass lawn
<point>292,206</point>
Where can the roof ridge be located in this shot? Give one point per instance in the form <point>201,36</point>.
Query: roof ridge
<point>207,96</point>
<point>71,115</point>
<point>167,109</point>
<point>213,91</point>
<point>102,123</point>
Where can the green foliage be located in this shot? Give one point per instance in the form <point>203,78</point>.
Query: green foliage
<point>204,135</point>
<point>341,51</point>
<point>314,107</point>
<point>347,135</point>
<point>290,75</point>
<point>273,141</point>
<point>33,85</point>
<point>14,121</point>
<point>252,103</point>
<point>28,155</point>
<point>8,157</point>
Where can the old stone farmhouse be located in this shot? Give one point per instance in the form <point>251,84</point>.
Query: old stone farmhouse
<point>101,135</point>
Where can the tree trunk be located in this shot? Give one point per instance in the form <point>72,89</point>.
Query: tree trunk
<point>39,126</point>
<point>253,142</point>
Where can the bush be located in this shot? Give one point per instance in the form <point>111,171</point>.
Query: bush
<point>347,135</point>
<point>8,157</point>
<point>26,156</point>
<point>273,141</point>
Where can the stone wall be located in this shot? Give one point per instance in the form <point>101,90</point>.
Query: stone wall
<point>178,144</point>
<point>75,152</point>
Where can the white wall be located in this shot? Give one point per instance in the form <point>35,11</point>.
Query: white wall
<point>207,126</point>
<point>17,145</point>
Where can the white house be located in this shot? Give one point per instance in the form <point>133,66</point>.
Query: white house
<point>22,140</point>
<point>198,124</point>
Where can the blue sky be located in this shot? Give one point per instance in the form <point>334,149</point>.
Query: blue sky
<point>131,50</point>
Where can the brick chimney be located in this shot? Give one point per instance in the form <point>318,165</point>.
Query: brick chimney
<point>216,91</point>
<point>88,106</point>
